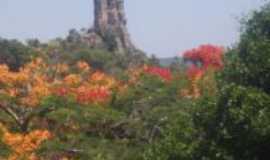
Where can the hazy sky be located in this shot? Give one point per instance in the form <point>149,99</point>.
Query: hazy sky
<point>162,27</point>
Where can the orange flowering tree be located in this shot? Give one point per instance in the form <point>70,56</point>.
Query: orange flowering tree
<point>22,92</point>
<point>24,145</point>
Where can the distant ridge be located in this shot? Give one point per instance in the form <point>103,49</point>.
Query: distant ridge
<point>167,61</point>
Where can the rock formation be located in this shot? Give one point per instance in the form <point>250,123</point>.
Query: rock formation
<point>110,28</point>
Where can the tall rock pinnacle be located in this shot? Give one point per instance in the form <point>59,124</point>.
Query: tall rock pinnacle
<point>110,25</point>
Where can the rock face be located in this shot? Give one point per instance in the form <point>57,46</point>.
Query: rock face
<point>110,26</point>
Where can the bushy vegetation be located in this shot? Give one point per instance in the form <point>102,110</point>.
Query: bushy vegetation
<point>14,53</point>
<point>234,123</point>
<point>64,100</point>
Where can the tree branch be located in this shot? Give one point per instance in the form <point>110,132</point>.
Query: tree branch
<point>23,121</point>
<point>11,113</point>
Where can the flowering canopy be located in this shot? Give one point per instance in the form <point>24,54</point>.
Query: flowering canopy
<point>164,73</point>
<point>37,80</point>
<point>203,58</point>
<point>28,86</point>
<point>24,145</point>
<point>94,88</point>
<point>206,55</point>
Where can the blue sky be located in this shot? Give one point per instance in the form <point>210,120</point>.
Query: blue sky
<point>161,27</point>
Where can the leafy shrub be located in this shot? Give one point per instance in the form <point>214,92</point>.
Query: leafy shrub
<point>252,57</point>
<point>237,125</point>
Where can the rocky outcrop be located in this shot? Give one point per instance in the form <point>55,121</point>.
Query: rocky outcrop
<point>110,28</point>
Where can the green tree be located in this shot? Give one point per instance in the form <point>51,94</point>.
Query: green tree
<point>238,126</point>
<point>14,53</point>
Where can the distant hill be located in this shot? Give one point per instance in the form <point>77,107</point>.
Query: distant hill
<point>169,60</point>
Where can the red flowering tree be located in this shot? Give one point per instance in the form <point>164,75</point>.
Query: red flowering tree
<point>95,87</point>
<point>164,73</point>
<point>203,58</point>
